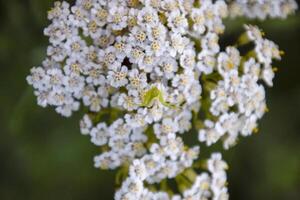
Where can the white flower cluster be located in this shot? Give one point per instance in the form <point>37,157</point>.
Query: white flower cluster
<point>147,71</point>
<point>204,186</point>
<point>262,9</point>
<point>109,53</point>
<point>238,100</point>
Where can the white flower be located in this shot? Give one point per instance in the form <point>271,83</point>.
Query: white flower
<point>216,164</point>
<point>206,62</point>
<point>36,79</point>
<point>75,65</point>
<point>117,17</point>
<point>198,18</point>
<point>177,22</point>
<point>130,103</point>
<point>75,46</point>
<point>121,46</point>
<point>188,59</point>
<point>118,78</point>
<point>147,16</point>
<point>167,67</point>
<point>138,170</point>
<point>66,110</point>
<point>96,100</point>
<point>210,42</point>
<point>253,33</point>
<point>55,78</point>
<point>74,84</point>
<point>154,113</point>
<point>58,53</point>
<point>178,44</point>
<point>99,14</point>
<point>268,75</point>
<point>102,37</point>
<point>157,32</point>
<point>99,134</point>
<point>120,129</point>
<point>137,80</point>
<point>85,125</point>
<point>228,61</point>
<point>252,68</point>
<point>94,74</point>
<point>267,50</point>
<point>108,160</point>
<point>168,126</point>
<point>109,58</point>
<point>60,10</point>
<point>210,135</point>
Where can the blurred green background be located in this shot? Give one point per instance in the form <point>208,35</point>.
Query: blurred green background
<point>43,156</point>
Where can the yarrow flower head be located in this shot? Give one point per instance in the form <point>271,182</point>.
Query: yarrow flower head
<point>262,9</point>
<point>150,72</point>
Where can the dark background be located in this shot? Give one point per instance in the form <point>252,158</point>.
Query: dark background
<point>43,156</point>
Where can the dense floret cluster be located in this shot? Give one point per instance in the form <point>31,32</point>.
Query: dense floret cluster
<point>148,72</point>
<point>262,9</point>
